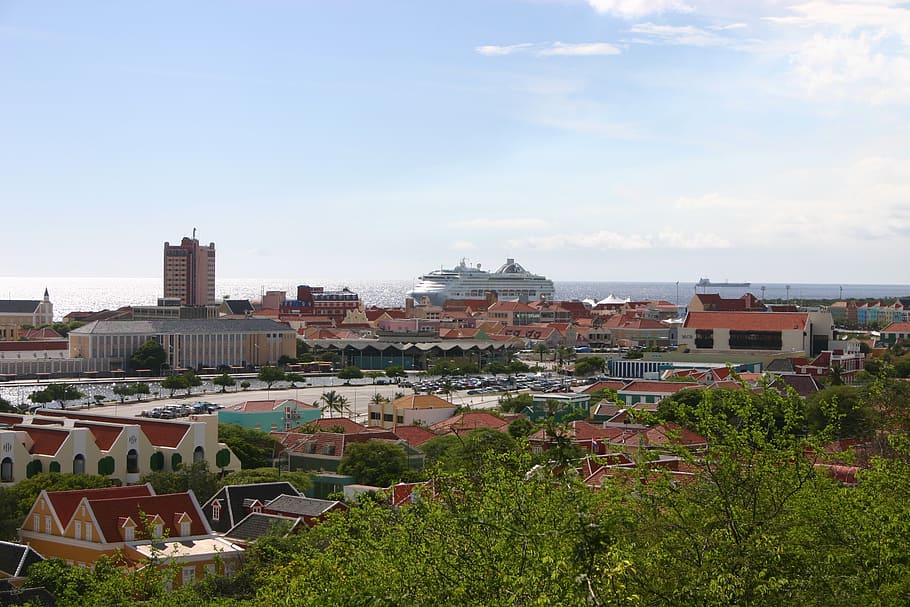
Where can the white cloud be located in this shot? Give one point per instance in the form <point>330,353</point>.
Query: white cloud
<point>853,50</point>
<point>506,223</point>
<point>495,50</point>
<point>731,26</point>
<point>854,67</point>
<point>550,49</point>
<point>678,35</point>
<point>634,9</point>
<point>580,49</point>
<point>608,240</point>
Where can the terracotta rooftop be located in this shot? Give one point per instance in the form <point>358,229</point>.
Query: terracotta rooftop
<point>747,321</point>
<point>159,433</point>
<point>65,502</point>
<point>47,439</point>
<point>105,434</point>
<point>421,401</point>
<point>468,421</point>
<point>109,512</point>
<point>414,435</point>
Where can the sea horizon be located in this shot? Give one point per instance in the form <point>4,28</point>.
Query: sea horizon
<point>69,294</point>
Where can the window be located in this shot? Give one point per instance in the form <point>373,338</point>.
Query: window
<point>216,511</point>
<point>79,464</point>
<point>88,532</point>
<point>158,530</point>
<point>77,527</point>
<point>36,522</point>
<point>132,461</point>
<point>48,525</point>
<point>185,529</point>
<point>129,534</point>
<point>6,470</point>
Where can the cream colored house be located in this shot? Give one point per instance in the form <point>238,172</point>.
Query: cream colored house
<point>422,409</point>
<point>123,449</point>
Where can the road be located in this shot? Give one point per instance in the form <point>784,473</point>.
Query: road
<point>358,397</point>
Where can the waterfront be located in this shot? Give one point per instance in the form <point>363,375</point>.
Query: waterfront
<point>72,294</point>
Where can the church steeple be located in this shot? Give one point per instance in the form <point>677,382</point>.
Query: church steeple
<point>46,295</point>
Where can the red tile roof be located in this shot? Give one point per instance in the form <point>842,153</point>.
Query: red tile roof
<point>658,387</point>
<point>897,327</point>
<point>414,435</point>
<point>65,502</point>
<point>105,435</point>
<point>468,421</point>
<point>159,433</point>
<point>747,321</point>
<point>605,385</point>
<point>108,513</point>
<point>328,423</point>
<point>47,439</point>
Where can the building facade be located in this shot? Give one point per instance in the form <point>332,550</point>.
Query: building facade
<point>189,272</point>
<point>14,313</point>
<point>192,344</point>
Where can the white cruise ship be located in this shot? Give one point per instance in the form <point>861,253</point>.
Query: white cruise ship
<point>511,281</point>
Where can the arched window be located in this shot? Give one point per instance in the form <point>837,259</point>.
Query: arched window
<point>6,470</point>
<point>79,464</point>
<point>132,461</point>
<point>198,454</point>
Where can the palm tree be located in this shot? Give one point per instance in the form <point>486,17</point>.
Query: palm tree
<point>541,349</point>
<point>378,399</point>
<point>333,402</point>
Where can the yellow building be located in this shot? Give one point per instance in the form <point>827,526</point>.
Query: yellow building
<point>131,524</point>
<point>191,344</point>
<point>14,313</point>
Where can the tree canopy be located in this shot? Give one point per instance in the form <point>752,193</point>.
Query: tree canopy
<point>150,355</point>
<point>376,462</point>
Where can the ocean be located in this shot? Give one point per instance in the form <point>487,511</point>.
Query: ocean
<point>93,294</point>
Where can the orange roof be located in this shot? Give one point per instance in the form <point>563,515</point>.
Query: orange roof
<point>605,385</point>
<point>327,423</point>
<point>897,327</point>
<point>258,406</point>
<point>421,401</point>
<point>747,321</point>
<point>468,421</point>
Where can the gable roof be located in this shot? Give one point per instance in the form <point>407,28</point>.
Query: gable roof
<point>233,496</point>
<point>110,512</point>
<point>47,440</point>
<point>239,306</point>
<point>897,327</point>
<point>64,503</point>
<point>260,406</point>
<point>15,559</point>
<point>105,434</point>
<point>18,306</point>
<point>328,423</point>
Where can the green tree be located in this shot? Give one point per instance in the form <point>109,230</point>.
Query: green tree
<point>541,349</point>
<point>333,402</point>
<point>139,388</point>
<point>192,381</point>
<point>56,392</point>
<point>254,448</point>
<point>395,371</point>
<point>302,481</point>
<point>589,365</point>
<point>150,355</point>
<point>175,382</point>
<point>270,375</point>
<point>196,476</point>
<point>376,462</point>
<point>225,381</point>
<point>294,379</point>
<point>244,385</point>
<point>123,391</point>
<point>350,372</point>
<point>520,428</point>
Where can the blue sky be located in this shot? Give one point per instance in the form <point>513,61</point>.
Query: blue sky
<point>652,140</point>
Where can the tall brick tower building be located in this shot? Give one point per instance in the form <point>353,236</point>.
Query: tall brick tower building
<point>189,272</point>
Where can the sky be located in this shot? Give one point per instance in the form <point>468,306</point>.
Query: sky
<point>333,140</point>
